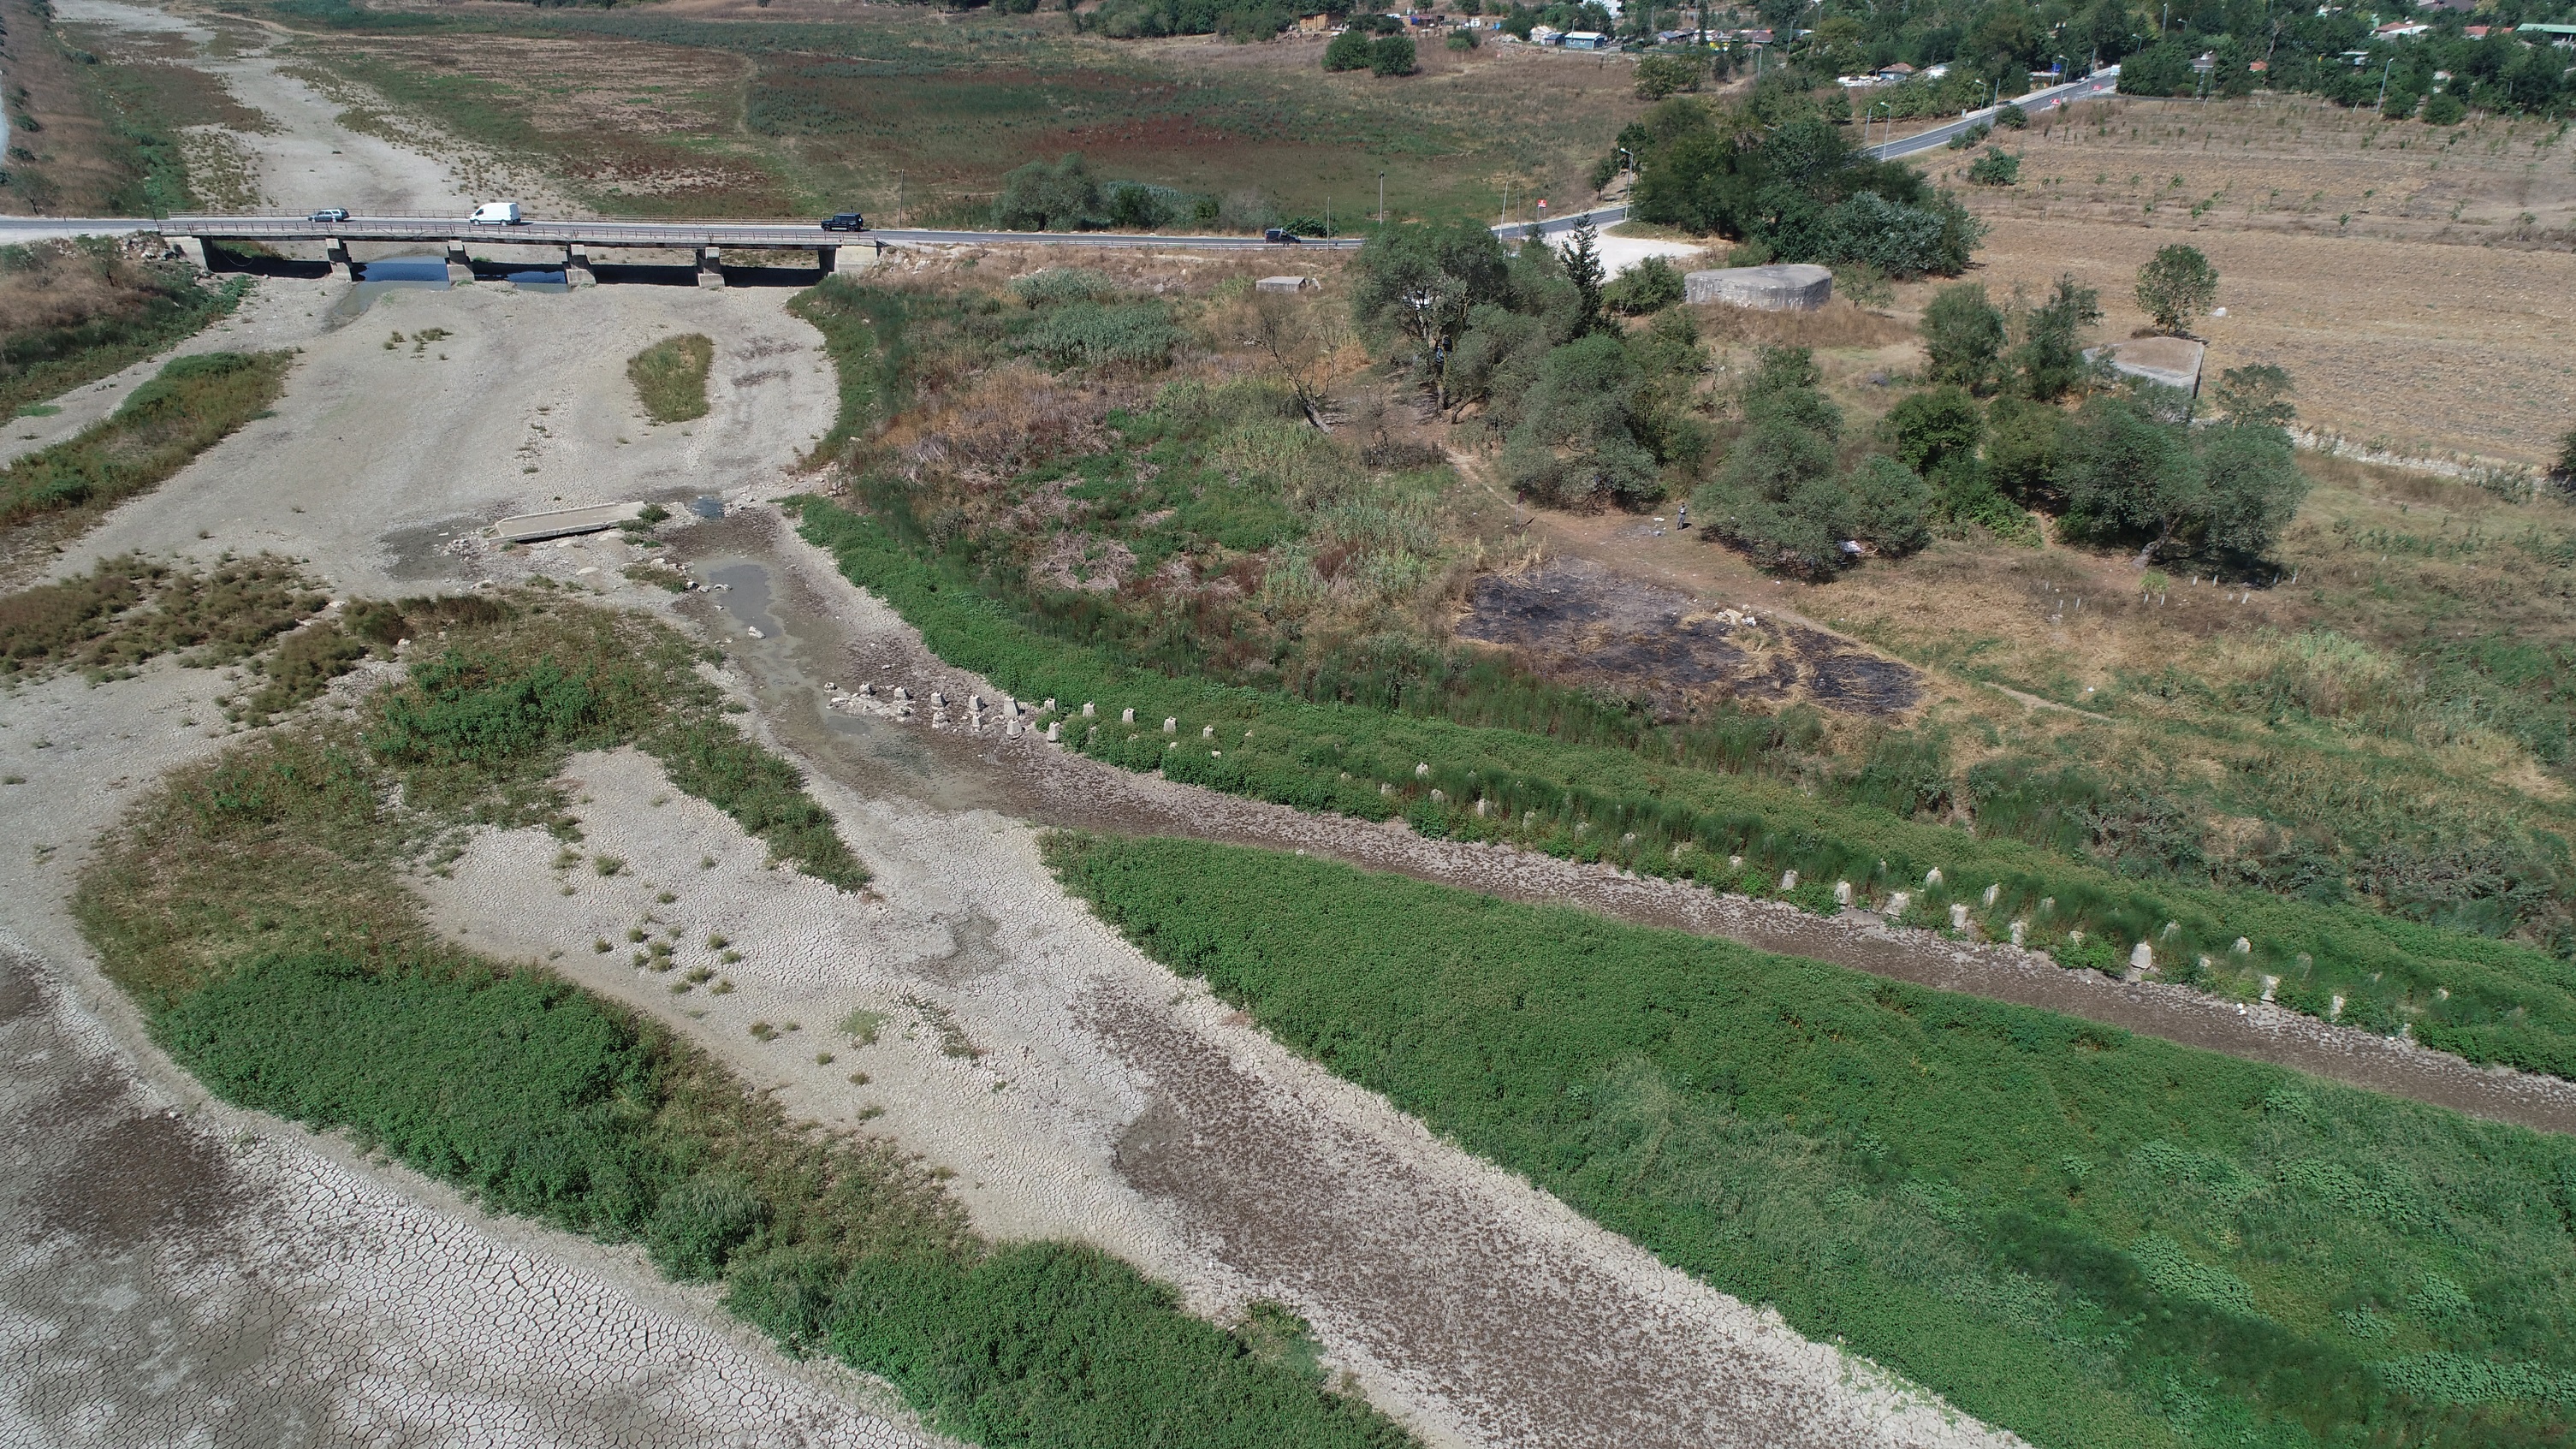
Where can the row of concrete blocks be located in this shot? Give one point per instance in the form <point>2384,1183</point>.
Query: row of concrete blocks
<point>576,263</point>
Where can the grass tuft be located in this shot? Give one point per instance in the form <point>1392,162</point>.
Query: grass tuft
<point>671,377</point>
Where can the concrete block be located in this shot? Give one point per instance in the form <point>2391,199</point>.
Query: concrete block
<point>1795,287</point>
<point>711,267</point>
<point>193,248</point>
<point>564,522</point>
<point>460,267</point>
<point>2172,361</point>
<point>1287,284</point>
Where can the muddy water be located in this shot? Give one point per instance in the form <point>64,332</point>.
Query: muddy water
<point>804,648</point>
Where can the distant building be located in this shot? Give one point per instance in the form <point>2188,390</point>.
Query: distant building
<point>1585,40</point>
<point>1897,72</point>
<point>1315,25</point>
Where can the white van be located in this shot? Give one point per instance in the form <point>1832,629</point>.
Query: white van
<point>496,213</point>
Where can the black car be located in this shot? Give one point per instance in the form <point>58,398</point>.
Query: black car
<point>846,221</point>
<point>1280,234</point>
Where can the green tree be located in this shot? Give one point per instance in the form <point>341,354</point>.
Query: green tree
<point>2127,477</point>
<point>1963,334</point>
<point>1037,197</point>
<point>1889,505</point>
<point>1659,76</point>
<point>2258,394</point>
<point>1350,50</point>
<point>2176,285</point>
<point>1577,444</point>
<point>1777,496</point>
<point>1423,281</point>
<point>1583,269</point>
<point>2567,455</point>
<point>2250,486</point>
<point>1935,429</point>
<point>1393,55</point>
<point>2025,441</point>
<point>2050,359</point>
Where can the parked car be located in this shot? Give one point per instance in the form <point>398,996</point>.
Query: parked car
<point>1280,234</point>
<point>330,213</point>
<point>845,221</point>
<point>496,213</point>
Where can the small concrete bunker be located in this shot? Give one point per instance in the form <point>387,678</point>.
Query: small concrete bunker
<point>1791,287</point>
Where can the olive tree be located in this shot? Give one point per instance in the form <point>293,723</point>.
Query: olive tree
<point>2176,285</point>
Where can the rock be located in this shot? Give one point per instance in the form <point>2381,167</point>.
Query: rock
<point>1788,880</point>
<point>2020,932</point>
<point>2334,1009</point>
<point>1897,903</point>
<point>938,700</point>
<point>1958,918</point>
<point>1792,287</point>
<point>1127,716</point>
<point>2242,947</point>
<point>902,693</point>
<point>1170,725</point>
<point>1051,731</point>
<point>1422,772</point>
<point>2270,985</point>
<point>1994,893</point>
<point>1842,893</point>
<point>2142,957</point>
<point>1086,709</point>
<point>1932,877</point>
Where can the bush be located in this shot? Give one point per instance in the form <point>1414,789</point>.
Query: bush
<point>1462,39</point>
<point>1350,50</point>
<point>1393,55</point>
<point>1650,286</point>
<point>1963,336</point>
<point>2012,117</point>
<point>1995,168</point>
<point>1090,334</point>
<point>1902,241</point>
<point>1062,284</point>
<point>2445,109</point>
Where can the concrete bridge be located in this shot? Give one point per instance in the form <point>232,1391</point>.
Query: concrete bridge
<point>581,246</point>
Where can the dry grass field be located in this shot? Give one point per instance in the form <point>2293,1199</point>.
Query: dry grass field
<point>2417,281</point>
<point>725,108</point>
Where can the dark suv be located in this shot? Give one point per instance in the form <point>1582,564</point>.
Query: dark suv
<point>1280,234</point>
<point>846,221</point>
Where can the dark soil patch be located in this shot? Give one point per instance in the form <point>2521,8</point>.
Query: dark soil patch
<point>1578,623</point>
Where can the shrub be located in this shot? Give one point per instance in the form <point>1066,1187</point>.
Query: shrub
<point>2176,285</point>
<point>2445,109</point>
<point>2050,358</point>
<point>1393,55</point>
<point>1902,241</point>
<point>2012,117</point>
<point>1995,168</point>
<point>1963,336</point>
<point>1350,50</point>
<point>1462,40</point>
<point>1090,334</point>
<point>670,377</point>
<point>1062,284</point>
<point>1650,286</point>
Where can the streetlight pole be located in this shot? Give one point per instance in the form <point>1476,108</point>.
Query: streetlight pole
<point>2383,83</point>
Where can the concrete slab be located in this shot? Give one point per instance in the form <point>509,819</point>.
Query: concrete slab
<point>562,522</point>
<point>2172,361</point>
<point>1793,287</point>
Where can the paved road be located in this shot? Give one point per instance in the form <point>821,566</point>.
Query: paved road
<point>2101,82</point>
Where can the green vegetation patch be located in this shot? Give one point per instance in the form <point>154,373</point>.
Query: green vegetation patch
<point>254,906</point>
<point>195,403</point>
<point>670,377</point>
<point>72,312</point>
<point>2083,1236</point>
<point>127,610</point>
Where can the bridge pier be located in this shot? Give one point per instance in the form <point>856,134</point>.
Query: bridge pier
<point>193,248</point>
<point>857,257</point>
<point>460,267</point>
<point>577,272</point>
<point>336,252</point>
<point>711,267</point>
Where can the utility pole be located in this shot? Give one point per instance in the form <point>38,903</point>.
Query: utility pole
<point>1381,198</point>
<point>2383,83</point>
<point>898,198</point>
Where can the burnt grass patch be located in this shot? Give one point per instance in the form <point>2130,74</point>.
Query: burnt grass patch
<point>1576,623</point>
